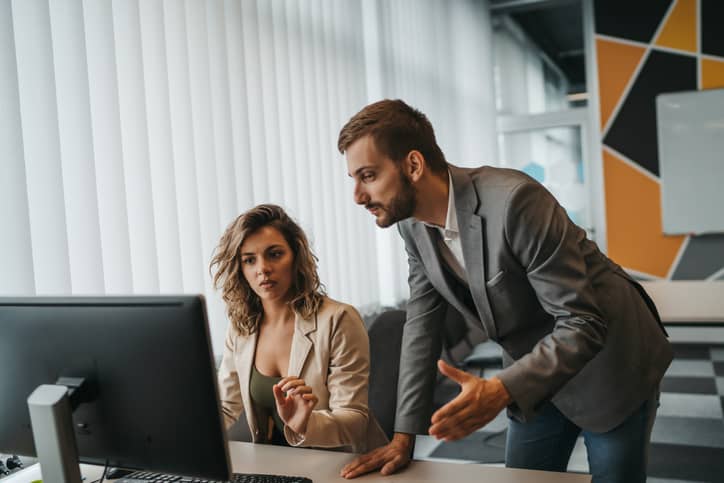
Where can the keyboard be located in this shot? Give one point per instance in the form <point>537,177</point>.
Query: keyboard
<point>147,477</point>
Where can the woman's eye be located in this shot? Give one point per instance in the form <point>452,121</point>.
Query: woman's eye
<point>247,261</point>
<point>368,177</point>
<point>276,254</point>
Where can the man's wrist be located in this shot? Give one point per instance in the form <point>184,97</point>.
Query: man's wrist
<point>405,441</point>
<point>501,390</point>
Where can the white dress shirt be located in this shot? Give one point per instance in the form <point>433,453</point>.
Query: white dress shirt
<point>451,249</point>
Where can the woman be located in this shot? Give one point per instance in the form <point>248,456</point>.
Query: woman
<point>295,361</point>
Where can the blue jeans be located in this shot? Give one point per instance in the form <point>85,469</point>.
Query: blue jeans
<point>616,456</point>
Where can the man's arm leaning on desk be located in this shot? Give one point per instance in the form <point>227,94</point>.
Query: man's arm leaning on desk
<point>421,347</point>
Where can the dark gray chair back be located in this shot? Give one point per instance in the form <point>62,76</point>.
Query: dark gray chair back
<point>385,334</point>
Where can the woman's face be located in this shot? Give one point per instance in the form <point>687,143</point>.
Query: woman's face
<point>268,263</point>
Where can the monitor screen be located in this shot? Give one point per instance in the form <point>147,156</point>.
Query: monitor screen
<point>150,367</point>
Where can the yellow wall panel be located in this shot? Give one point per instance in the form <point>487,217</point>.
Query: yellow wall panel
<point>616,64</point>
<point>680,29</point>
<point>712,73</point>
<point>633,220</point>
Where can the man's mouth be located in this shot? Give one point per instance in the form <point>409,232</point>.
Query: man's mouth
<point>374,209</point>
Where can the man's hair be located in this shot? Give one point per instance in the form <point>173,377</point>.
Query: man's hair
<point>243,306</point>
<point>396,129</point>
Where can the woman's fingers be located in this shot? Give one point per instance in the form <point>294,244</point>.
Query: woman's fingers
<point>311,398</point>
<point>279,396</point>
<point>290,384</point>
<point>299,390</point>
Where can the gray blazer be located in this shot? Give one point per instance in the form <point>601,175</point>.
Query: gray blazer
<point>574,327</point>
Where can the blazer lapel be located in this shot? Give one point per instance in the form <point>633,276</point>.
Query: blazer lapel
<point>471,227</point>
<point>245,358</point>
<point>301,344</point>
<point>426,244</point>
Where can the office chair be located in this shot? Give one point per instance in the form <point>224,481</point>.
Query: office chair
<point>385,335</point>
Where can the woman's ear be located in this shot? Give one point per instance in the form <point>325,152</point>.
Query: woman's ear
<point>414,165</point>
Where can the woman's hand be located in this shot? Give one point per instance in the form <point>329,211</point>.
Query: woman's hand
<point>295,407</point>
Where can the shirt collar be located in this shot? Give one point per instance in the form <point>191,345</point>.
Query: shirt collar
<point>450,232</point>
<point>451,220</point>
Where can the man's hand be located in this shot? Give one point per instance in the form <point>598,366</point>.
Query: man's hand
<point>295,407</point>
<point>477,404</point>
<point>391,457</point>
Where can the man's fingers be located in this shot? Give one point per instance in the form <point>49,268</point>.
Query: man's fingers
<point>460,428</point>
<point>366,463</point>
<point>392,466</point>
<point>357,462</point>
<point>461,404</point>
<point>361,467</point>
<point>453,373</point>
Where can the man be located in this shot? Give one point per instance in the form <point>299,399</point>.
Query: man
<point>583,347</point>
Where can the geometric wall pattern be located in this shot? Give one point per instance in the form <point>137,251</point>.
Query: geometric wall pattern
<point>644,49</point>
<point>633,219</point>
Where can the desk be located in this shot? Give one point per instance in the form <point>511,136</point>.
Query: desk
<point>323,467</point>
<point>688,302</point>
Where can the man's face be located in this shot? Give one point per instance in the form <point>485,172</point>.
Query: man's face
<point>379,183</point>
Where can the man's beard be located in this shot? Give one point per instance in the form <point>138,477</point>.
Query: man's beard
<point>402,205</point>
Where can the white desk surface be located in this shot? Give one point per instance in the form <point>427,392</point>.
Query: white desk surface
<point>698,301</point>
<point>323,467</point>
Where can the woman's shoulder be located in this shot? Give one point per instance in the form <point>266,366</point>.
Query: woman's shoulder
<point>335,310</point>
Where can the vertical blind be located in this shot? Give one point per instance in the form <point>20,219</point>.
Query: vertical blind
<point>132,132</point>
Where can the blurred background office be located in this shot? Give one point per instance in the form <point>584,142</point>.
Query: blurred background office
<point>132,132</point>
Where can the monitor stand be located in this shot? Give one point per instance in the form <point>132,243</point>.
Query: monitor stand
<point>52,423</point>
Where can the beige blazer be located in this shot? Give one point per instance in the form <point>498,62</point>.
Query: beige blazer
<point>331,353</point>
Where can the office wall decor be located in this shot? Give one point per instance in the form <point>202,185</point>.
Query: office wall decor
<point>644,49</point>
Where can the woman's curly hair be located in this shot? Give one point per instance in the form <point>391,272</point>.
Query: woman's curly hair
<point>243,306</point>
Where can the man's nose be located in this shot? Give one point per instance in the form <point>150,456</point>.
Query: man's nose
<point>360,197</point>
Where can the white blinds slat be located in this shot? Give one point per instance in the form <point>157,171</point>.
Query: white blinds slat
<point>238,99</point>
<point>160,148</point>
<point>76,147</point>
<point>182,142</point>
<point>107,146</point>
<point>134,139</point>
<point>220,111</point>
<point>16,256</point>
<point>252,61</point>
<point>39,121</point>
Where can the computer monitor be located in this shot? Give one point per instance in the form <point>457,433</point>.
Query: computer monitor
<point>148,362</point>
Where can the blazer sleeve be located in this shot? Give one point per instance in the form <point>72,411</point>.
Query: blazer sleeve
<point>228,379</point>
<point>345,422</point>
<point>421,347</point>
<point>548,246</point>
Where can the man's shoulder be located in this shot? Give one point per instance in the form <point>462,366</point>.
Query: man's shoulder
<point>491,177</point>
<point>492,185</point>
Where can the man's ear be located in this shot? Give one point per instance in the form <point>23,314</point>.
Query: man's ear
<point>415,165</point>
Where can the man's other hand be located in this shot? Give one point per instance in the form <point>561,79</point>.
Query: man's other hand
<point>394,456</point>
<point>479,401</point>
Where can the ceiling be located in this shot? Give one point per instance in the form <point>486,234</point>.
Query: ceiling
<point>556,27</point>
